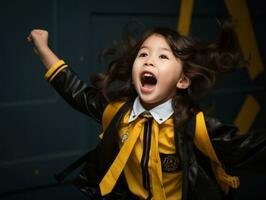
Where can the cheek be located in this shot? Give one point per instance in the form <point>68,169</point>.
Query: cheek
<point>171,72</point>
<point>170,77</point>
<point>134,72</point>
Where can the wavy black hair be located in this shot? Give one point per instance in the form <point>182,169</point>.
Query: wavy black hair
<point>201,62</point>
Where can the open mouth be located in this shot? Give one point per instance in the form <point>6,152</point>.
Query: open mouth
<point>148,81</point>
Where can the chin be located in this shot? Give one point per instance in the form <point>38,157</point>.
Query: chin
<point>147,100</point>
<point>148,103</point>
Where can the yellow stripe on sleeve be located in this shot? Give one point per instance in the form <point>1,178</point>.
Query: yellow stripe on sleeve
<point>54,70</point>
<point>57,71</point>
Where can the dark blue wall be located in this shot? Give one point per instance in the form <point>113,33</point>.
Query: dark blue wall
<point>39,132</point>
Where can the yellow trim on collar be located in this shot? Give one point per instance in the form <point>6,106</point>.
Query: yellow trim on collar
<point>54,70</point>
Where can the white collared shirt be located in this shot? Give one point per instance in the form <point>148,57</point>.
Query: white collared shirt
<point>160,113</point>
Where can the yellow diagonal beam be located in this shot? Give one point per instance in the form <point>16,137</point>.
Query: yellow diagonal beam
<point>239,12</point>
<point>185,15</point>
<point>247,114</point>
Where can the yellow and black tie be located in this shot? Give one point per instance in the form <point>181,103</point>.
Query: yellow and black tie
<point>109,180</point>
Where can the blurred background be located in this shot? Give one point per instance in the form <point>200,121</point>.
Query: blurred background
<point>40,134</point>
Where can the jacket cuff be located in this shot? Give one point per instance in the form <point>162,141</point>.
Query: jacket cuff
<point>54,70</point>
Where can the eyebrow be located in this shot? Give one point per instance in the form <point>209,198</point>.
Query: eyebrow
<point>162,48</point>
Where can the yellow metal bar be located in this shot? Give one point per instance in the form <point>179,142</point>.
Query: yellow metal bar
<point>247,114</point>
<point>185,15</point>
<point>238,9</point>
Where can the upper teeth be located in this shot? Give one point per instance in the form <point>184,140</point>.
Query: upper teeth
<point>148,74</point>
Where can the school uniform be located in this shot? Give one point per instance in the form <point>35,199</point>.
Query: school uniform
<point>172,167</point>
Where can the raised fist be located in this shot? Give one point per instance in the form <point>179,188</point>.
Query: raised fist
<point>39,38</point>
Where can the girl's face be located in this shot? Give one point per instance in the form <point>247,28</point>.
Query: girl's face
<point>157,73</point>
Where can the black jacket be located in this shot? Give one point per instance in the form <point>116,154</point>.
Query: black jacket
<point>246,151</point>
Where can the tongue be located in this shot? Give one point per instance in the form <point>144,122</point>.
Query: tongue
<point>147,88</point>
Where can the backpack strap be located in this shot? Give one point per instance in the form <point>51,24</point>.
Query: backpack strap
<point>109,113</point>
<point>203,143</point>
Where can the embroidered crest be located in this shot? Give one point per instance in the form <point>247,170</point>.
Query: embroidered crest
<point>170,162</point>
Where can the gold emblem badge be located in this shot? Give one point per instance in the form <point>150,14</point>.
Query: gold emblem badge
<point>124,138</point>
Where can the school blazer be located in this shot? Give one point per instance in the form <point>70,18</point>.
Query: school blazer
<point>244,152</point>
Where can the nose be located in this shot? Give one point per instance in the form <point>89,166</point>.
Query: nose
<point>149,62</point>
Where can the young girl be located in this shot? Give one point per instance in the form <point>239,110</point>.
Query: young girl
<point>145,101</point>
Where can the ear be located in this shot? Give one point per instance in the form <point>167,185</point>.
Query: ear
<point>183,82</point>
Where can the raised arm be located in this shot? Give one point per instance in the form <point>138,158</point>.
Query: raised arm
<point>39,38</point>
<point>80,96</point>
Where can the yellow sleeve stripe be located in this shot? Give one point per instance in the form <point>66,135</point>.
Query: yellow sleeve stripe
<point>54,70</point>
<point>57,71</point>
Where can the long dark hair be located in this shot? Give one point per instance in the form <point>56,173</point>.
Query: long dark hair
<point>201,62</point>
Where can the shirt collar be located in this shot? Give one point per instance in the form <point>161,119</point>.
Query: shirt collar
<point>160,113</point>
